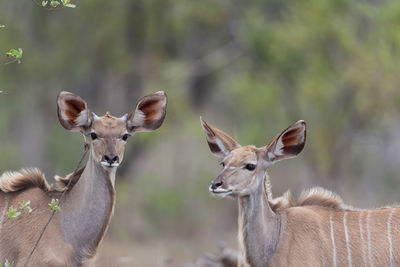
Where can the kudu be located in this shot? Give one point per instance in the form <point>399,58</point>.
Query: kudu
<point>76,231</point>
<point>317,230</point>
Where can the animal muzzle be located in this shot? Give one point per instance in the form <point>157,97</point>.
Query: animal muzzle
<point>110,160</point>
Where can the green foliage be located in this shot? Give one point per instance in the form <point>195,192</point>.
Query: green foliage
<point>24,205</point>
<point>7,264</point>
<point>250,68</point>
<point>13,213</point>
<point>56,4</point>
<point>54,205</point>
<point>67,3</point>
<point>14,53</point>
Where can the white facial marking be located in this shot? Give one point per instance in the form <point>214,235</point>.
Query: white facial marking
<point>346,233</point>
<point>271,156</point>
<point>108,165</point>
<point>124,117</point>
<point>369,240</point>
<point>95,117</point>
<point>333,240</point>
<point>364,256</point>
<point>389,227</point>
<point>220,192</point>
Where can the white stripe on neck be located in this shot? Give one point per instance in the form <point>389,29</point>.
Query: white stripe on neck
<point>371,263</point>
<point>364,256</point>
<point>346,233</point>
<point>333,240</point>
<point>389,232</point>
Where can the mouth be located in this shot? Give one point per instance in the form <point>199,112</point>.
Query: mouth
<point>220,192</point>
<point>109,165</point>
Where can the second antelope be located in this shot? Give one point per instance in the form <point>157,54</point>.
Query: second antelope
<point>317,230</point>
<point>75,232</point>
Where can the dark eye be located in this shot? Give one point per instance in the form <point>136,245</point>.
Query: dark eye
<point>93,136</point>
<point>125,137</point>
<point>250,167</point>
<point>222,164</point>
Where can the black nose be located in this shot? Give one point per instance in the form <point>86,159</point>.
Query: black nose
<point>215,184</point>
<point>111,158</point>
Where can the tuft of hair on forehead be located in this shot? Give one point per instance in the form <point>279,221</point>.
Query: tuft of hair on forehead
<point>243,154</point>
<point>109,125</point>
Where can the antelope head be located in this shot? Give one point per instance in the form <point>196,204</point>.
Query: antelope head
<point>109,134</point>
<point>242,165</point>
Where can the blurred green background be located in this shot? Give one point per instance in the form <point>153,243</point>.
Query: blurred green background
<point>250,68</point>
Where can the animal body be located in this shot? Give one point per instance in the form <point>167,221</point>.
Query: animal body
<point>75,231</point>
<point>316,230</point>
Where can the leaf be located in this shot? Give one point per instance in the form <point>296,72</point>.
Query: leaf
<point>54,205</point>
<point>25,206</point>
<point>12,213</point>
<point>2,26</point>
<point>44,3</point>
<point>54,3</point>
<point>70,5</point>
<point>15,53</point>
<point>8,264</point>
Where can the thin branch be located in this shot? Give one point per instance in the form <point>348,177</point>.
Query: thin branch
<point>10,62</point>
<point>86,147</point>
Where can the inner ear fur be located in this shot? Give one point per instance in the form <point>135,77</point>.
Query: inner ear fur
<point>287,144</point>
<point>220,143</point>
<point>73,112</point>
<point>149,113</point>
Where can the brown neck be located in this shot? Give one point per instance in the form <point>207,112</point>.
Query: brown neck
<point>87,209</point>
<point>259,226</point>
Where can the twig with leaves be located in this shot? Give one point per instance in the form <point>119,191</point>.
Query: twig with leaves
<point>54,205</point>
<point>14,54</point>
<point>24,205</point>
<point>13,213</point>
<point>54,4</point>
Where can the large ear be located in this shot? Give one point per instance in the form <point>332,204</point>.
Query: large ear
<point>287,144</point>
<point>73,112</point>
<point>149,113</point>
<point>219,142</point>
